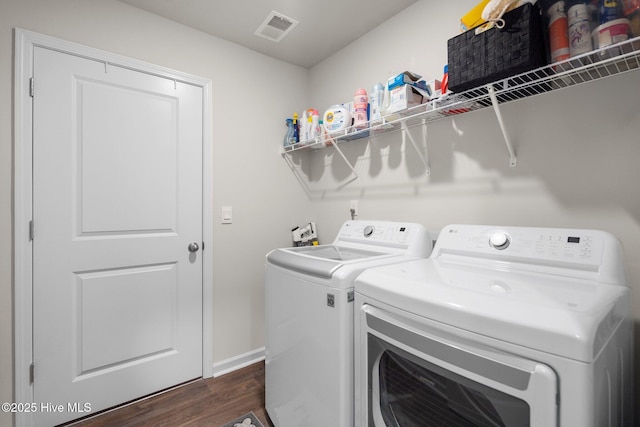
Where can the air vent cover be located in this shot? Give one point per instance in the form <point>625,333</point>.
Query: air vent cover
<point>275,26</point>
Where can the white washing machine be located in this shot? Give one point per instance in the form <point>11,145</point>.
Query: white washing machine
<point>502,326</point>
<point>309,319</point>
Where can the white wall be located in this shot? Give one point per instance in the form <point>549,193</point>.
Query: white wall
<point>248,118</point>
<point>577,149</point>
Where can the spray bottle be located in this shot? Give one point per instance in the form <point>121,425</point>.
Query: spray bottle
<point>288,137</point>
<point>444,86</point>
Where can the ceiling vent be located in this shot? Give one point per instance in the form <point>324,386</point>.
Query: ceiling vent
<point>275,27</point>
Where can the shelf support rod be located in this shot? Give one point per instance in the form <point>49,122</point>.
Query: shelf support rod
<point>335,145</point>
<point>298,175</point>
<point>496,109</point>
<point>407,132</point>
<point>426,146</point>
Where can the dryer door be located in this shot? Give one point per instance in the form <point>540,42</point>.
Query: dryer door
<point>416,374</point>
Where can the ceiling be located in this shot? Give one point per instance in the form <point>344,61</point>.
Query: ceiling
<point>324,26</point>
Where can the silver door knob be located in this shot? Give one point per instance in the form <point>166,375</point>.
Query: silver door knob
<point>193,247</point>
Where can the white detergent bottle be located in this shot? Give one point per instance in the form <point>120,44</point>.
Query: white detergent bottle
<point>310,126</point>
<point>305,121</point>
<point>377,95</point>
<point>386,101</point>
<point>315,131</point>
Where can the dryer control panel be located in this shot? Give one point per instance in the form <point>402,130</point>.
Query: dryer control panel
<point>590,251</point>
<point>554,245</point>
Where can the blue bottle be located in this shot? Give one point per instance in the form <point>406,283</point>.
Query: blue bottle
<point>289,138</point>
<point>296,128</point>
<point>608,10</point>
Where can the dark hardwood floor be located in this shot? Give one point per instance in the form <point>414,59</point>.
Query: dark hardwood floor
<point>211,402</point>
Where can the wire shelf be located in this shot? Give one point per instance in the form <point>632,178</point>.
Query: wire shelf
<point>598,64</point>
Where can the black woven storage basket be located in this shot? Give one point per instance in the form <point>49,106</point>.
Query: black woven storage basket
<point>475,60</point>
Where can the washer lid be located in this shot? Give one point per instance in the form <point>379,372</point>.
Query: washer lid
<point>565,316</point>
<point>321,261</point>
<point>337,253</point>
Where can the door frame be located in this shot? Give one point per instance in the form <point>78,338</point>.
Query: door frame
<point>25,42</point>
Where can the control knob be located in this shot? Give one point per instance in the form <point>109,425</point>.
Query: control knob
<point>499,241</point>
<point>368,231</point>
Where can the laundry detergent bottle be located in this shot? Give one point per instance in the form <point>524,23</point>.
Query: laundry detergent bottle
<point>360,104</point>
<point>316,124</point>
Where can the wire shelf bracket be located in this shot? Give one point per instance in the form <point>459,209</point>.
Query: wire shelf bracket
<point>407,133</point>
<point>513,161</point>
<point>353,171</point>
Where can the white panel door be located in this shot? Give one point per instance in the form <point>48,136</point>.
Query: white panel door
<point>117,200</point>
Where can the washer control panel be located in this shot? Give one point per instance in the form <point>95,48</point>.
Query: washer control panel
<point>372,232</point>
<point>408,238</point>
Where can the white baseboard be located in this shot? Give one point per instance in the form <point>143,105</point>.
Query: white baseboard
<point>238,362</point>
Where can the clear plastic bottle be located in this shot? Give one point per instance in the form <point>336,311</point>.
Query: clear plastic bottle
<point>289,138</point>
<point>377,95</point>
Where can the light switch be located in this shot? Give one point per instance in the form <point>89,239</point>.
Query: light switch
<point>227,215</point>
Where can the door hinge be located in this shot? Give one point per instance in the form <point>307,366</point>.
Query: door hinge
<point>31,91</point>
<point>31,230</point>
<point>31,373</point>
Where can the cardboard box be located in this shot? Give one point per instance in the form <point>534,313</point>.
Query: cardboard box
<point>406,77</point>
<point>404,97</point>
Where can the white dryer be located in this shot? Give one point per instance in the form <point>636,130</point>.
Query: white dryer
<point>502,326</point>
<point>309,319</point>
